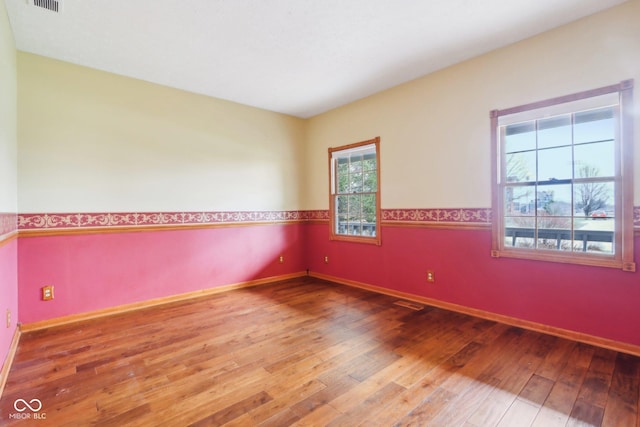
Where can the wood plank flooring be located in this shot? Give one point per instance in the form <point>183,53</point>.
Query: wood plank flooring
<point>310,353</point>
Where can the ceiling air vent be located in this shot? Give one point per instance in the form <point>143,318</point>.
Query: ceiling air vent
<point>52,5</point>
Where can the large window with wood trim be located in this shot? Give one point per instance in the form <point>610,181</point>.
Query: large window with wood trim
<point>563,179</point>
<point>355,192</point>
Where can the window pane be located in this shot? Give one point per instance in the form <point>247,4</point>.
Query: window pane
<point>355,207</point>
<point>369,207</point>
<point>519,232</point>
<point>343,177</point>
<point>520,137</point>
<point>342,205</point>
<point>369,164</point>
<point>548,222</point>
<point>342,210</point>
<point>341,224</point>
<point>369,229</point>
<point>554,217</point>
<point>369,215</point>
<point>594,125</point>
<point>354,228</point>
<point>519,201</point>
<point>520,222</point>
<point>593,160</point>
<point>554,131</point>
<point>355,182</point>
<point>370,182</point>
<point>554,200</point>
<point>555,163</point>
<point>594,237</point>
<point>594,200</point>
<point>521,167</point>
<point>550,238</point>
<point>355,164</point>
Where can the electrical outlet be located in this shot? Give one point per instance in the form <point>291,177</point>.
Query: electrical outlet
<point>281,259</point>
<point>431,276</point>
<point>47,293</point>
<point>8,318</point>
<point>326,259</point>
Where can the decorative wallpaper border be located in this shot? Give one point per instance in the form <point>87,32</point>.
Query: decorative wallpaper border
<point>101,220</point>
<point>42,221</point>
<point>465,215</point>
<point>8,223</point>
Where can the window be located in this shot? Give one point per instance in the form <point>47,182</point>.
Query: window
<point>354,202</point>
<point>563,179</point>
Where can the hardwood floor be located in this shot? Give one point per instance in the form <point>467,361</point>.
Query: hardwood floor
<point>310,353</point>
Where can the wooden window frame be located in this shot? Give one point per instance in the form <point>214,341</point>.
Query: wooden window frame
<point>333,194</point>
<point>623,258</point>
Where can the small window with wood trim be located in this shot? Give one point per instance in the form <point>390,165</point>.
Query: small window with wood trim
<point>355,192</point>
<point>563,179</point>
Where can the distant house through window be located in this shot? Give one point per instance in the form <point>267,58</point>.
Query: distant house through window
<point>355,192</point>
<point>563,179</point>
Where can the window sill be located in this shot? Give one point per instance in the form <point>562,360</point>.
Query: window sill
<point>590,260</point>
<point>356,239</point>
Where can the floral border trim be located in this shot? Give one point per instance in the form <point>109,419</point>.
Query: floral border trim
<point>8,223</point>
<point>465,215</point>
<point>43,221</point>
<point>38,221</point>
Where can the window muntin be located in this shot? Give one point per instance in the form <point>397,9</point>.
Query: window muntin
<point>561,191</point>
<point>355,192</point>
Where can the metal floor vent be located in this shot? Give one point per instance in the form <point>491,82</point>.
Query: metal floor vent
<point>52,5</point>
<point>409,304</point>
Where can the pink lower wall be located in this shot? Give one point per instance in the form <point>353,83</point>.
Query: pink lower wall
<point>594,300</point>
<point>96,271</point>
<point>8,293</point>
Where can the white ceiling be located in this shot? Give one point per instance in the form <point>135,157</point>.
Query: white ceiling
<point>299,57</point>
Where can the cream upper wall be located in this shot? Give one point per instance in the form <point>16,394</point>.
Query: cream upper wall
<point>8,108</point>
<point>91,141</point>
<point>435,148</point>
<point>94,141</point>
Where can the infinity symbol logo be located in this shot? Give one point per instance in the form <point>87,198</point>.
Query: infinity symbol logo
<point>21,405</point>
